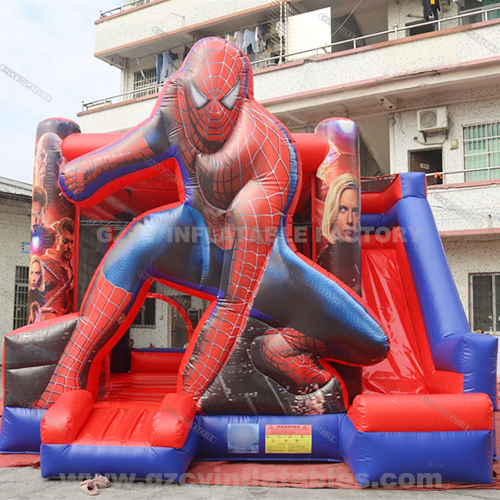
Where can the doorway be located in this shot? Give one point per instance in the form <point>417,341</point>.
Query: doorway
<point>429,161</point>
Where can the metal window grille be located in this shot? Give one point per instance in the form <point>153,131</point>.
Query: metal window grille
<point>21,297</point>
<point>484,302</point>
<point>482,150</point>
<point>143,79</point>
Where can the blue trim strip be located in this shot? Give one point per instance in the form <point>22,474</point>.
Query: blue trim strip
<point>462,456</point>
<point>20,430</point>
<point>215,429</point>
<point>142,462</point>
<point>373,222</point>
<point>439,300</point>
<point>453,347</point>
<point>413,185</point>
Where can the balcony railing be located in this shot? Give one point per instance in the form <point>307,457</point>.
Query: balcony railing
<point>123,7</point>
<point>492,173</point>
<point>151,90</point>
<point>361,40</point>
<point>482,14</point>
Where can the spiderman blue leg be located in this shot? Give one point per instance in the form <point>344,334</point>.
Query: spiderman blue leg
<point>117,283</point>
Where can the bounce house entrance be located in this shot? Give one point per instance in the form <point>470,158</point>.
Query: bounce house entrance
<point>151,370</point>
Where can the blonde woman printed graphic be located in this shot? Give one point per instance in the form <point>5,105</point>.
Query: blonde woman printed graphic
<point>341,228</point>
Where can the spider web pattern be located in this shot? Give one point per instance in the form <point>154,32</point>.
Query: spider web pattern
<point>241,190</point>
<point>291,358</point>
<point>83,171</point>
<point>259,178</point>
<point>96,325</point>
<point>217,73</point>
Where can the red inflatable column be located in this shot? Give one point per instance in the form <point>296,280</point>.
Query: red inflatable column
<point>337,215</point>
<point>54,228</point>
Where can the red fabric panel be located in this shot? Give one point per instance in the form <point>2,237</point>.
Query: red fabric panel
<point>313,149</point>
<point>380,203</point>
<point>19,460</point>
<point>171,425</point>
<point>409,344</point>
<point>424,413</point>
<point>77,145</point>
<point>384,289</point>
<point>371,202</point>
<point>139,197</point>
<point>64,419</point>
<point>305,198</point>
<point>437,381</point>
<point>140,387</point>
<point>156,362</point>
<point>118,424</point>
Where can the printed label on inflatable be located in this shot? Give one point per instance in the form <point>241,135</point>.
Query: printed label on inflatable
<point>243,438</point>
<point>288,439</point>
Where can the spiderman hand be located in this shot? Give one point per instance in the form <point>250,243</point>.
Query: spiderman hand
<point>78,174</point>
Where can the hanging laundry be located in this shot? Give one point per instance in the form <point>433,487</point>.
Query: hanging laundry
<point>249,40</point>
<point>159,64</point>
<point>431,7</point>
<point>238,39</point>
<point>261,32</point>
<point>164,62</point>
<point>435,6</point>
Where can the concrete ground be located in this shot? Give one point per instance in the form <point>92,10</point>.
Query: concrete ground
<point>26,483</point>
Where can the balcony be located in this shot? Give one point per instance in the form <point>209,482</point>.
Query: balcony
<point>395,64</point>
<point>137,29</point>
<point>366,82</point>
<point>357,62</point>
<point>467,209</point>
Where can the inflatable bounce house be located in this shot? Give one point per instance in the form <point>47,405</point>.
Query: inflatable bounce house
<point>334,331</point>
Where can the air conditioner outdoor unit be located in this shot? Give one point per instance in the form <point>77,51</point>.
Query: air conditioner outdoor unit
<point>432,120</point>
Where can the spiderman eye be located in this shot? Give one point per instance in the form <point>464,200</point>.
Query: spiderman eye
<point>199,99</point>
<point>230,99</point>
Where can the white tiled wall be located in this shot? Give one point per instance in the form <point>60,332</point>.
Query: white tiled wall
<point>466,256</point>
<point>14,230</point>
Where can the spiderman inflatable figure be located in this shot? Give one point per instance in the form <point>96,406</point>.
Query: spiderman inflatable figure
<point>276,315</point>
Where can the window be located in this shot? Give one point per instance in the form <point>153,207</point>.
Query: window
<point>485,302</point>
<point>482,151</point>
<point>476,6</point>
<point>488,4</point>
<point>21,297</point>
<point>146,317</point>
<point>144,79</point>
<point>418,30</point>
